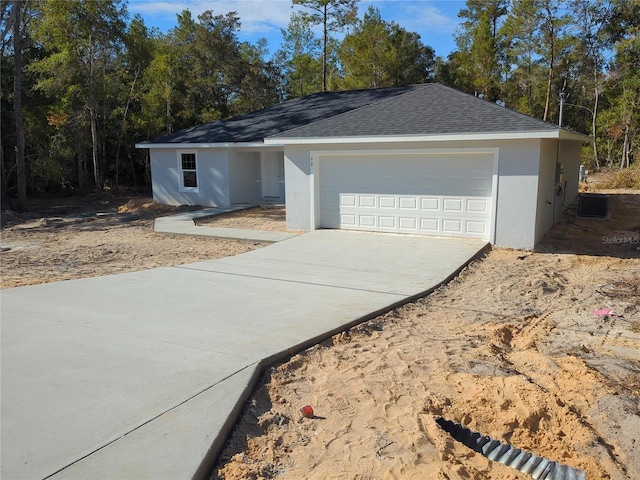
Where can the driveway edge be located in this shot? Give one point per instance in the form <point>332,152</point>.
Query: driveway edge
<point>205,471</point>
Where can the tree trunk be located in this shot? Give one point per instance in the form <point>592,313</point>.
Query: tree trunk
<point>21,170</point>
<point>4,197</point>
<point>82,179</point>
<point>168,108</point>
<point>325,41</point>
<point>593,126</point>
<point>124,121</point>
<point>94,148</point>
<point>624,160</point>
<point>133,171</point>
<point>93,113</point>
<point>609,152</point>
<point>547,102</point>
<point>147,158</point>
<point>552,58</point>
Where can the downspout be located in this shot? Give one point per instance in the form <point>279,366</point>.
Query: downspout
<point>495,200</point>
<point>553,203</point>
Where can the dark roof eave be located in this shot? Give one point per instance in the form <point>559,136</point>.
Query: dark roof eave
<point>187,145</point>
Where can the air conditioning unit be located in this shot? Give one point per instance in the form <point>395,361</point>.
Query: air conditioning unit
<point>593,205</point>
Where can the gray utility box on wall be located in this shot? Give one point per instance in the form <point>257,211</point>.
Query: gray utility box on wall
<point>593,205</point>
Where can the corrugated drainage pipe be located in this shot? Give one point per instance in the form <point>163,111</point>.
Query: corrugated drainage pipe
<point>539,468</point>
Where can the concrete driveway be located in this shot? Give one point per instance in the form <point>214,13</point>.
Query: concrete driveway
<point>142,375</point>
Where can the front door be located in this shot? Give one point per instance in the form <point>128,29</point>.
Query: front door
<point>271,173</point>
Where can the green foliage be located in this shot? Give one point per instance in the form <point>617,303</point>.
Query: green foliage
<point>478,42</point>
<point>95,81</point>
<point>300,59</point>
<point>333,16</point>
<point>82,39</point>
<point>528,52</point>
<point>382,54</point>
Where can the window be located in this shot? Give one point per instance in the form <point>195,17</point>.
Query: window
<point>188,171</point>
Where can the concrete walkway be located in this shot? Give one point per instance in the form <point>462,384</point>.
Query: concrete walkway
<point>183,224</point>
<point>142,375</point>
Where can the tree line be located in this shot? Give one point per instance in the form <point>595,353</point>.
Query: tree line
<point>82,81</point>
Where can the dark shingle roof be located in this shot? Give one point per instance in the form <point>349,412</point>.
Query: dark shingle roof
<point>255,126</point>
<point>430,109</point>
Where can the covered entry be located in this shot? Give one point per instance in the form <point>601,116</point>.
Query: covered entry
<point>446,192</point>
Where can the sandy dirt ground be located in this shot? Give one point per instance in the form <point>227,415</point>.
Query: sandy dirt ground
<point>84,237</point>
<point>510,348</point>
<point>267,218</point>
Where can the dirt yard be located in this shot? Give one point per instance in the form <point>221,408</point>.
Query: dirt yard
<point>268,218</point>
<point>511,348</point>
<point>85,237</point>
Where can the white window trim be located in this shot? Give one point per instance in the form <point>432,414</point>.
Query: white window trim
<point>181,186</point>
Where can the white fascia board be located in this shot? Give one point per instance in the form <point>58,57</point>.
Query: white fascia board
<point>562,134</point>
<point>568,135</point>
<point>208,145</point>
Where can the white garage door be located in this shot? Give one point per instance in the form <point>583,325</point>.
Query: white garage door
<point>428,194</point>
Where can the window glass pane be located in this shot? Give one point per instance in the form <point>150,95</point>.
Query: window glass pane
<point>190,179</point>
<point>188,161</point>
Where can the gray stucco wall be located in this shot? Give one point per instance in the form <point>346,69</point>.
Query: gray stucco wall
<point>548,204</point>
<point>298,194</point>
<point>517,188</point>
<point>552,201</point>
<point>571,157</point>
<point>517,193</point>
<point>213,177</point>
<point>524,187</point>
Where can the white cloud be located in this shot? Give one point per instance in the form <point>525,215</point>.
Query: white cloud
<point>419,16</point>
<point>256,16</point>
<point>434,20</point>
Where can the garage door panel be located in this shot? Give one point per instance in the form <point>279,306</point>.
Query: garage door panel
<point>408,223</point>
<point>452,226</point>
<point>387,221</point>
<point>387,201</point>
<point>477,206</point>
<point>408,194</point>
<point>452,205</point>
<point>478,228</point>
<point>410,203</point>
<point>367,221</point>
<point>367,201</point>
<point>348,220</point>
<point>348,200</point>
<point>430,204</point>
<point>429,225</point>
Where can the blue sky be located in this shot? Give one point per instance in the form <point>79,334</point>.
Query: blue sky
<point>435,21</point>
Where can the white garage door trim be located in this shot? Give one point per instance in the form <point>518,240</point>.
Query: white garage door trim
<point>420,205</point>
